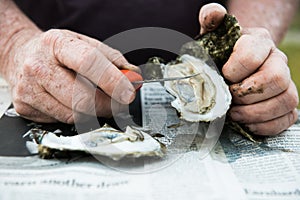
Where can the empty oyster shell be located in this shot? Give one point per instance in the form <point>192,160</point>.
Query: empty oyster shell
<point>105,141</point>
<point>204,97</point>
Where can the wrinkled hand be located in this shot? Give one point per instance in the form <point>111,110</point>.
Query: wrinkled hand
<point>264,96</point>
<point>55,74</point>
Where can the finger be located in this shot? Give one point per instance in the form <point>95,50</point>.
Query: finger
<point>28,112</point>
<point>275,107</point>
<point>274,126</point>
<point>29,92</point>
<point>90,100</point>
<point>91,63</point>
<point>117,58</point>
<point>132,77</point>
<point>210,17</point>
<point>249,53</point>
<point>74,92</point>
<point>272,78</point>
<point>113,55</point>
<point>45,103</point>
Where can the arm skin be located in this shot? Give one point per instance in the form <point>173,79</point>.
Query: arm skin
<point>274,15</point>
<point>53,74</point>
<point>15,29</point>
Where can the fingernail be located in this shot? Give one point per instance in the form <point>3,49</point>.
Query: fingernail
<point>210,16</point>
<point>127,96</point>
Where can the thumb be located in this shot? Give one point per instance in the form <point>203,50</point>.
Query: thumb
<point>210,17</point>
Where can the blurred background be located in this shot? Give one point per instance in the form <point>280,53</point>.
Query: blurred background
<point>291,47</point>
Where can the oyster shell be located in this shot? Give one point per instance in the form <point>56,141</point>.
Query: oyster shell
<point>105,141</point>
<point>217,45</point>
<point>215,48</point>
<point>204,97</point>
<point>207,96</point>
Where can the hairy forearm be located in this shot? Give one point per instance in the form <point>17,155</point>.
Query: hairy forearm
<point>274,15</point>
<point>15,29</point>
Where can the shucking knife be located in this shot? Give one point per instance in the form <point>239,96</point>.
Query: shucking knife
<point>137,80</point>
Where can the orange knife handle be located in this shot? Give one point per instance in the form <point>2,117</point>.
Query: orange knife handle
<point>133,76</point>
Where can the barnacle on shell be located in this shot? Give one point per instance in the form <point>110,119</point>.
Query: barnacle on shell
<point>216,45</point>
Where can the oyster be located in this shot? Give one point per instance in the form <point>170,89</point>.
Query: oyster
<point>204,97</point>
<point>215,48</point>
<point>105,141</point>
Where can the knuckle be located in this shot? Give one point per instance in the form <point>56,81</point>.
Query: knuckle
<point>293,100</point>
<point>256,60</point>
<point>88,58</point>
<point>280,81</point>
<point>116,55</point>
<point>21,109</point>
<point>22,94</point>
<point>51,36</point>
<point>104,105</point>
<point>263,32</point>
<point>69,119</point>
<point>34,67</point>
<point>19,91</point>
<point>282,55</point>
<point>295,116</point>
<point>29,65</point>
<point>292,118</point>
<point>103,111</point>
<point>265,36</point>
<point>83,104</point>
<point>250,61</point>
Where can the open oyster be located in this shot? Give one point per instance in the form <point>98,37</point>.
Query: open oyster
<point>204,97</point>
<point>105,141</point>
<point>215,48</point>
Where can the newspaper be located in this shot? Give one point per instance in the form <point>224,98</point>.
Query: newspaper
<point>188,177</point>
<point>230,168</point>
<point>269,169</point>
<point>266,170</point>
<point>180,174</point>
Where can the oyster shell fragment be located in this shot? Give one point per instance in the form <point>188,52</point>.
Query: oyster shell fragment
<point>204,97</point>
<point>105,141</point>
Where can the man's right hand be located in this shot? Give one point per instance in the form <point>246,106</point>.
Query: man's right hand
<point>53,77</point>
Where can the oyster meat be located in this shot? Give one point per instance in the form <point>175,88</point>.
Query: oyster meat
<point>204,97</point>
<point>105,141</point>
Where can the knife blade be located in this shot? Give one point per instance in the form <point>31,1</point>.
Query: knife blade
<point>164,79</point>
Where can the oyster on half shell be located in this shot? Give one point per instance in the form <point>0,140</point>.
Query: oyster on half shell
<point>204,97</point>
<point>105,141</point>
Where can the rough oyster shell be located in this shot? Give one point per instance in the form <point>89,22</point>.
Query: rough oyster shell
<point>105,141</point>
<point>204,97</point>
<point>217,45</point>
